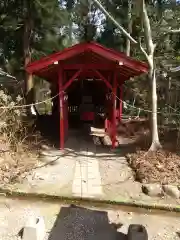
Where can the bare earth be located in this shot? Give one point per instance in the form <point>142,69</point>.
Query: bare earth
<point>66,222</point>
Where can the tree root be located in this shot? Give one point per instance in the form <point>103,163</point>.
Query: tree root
<point>155,146</point>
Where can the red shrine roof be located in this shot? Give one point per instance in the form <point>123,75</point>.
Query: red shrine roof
<point>84,54</point>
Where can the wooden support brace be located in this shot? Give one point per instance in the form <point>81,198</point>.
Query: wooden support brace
<point>114,111</point>
<point>61,106</point>
<point>103,78</point>
<point>71,80</point>
<point>120,102</point>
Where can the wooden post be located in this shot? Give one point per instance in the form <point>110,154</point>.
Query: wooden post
<point>65,109</point>
<point>29,83</point>
<point>61,106</point>
<point>120,102</point>
<point>114,111</point>
<point>106,122</point>
<point>30,94</point>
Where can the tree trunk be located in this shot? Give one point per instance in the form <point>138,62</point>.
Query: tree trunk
<point>149,54</point>
<point>129,26</point>
<point>155,145</point>
<point>28,26</point>
<point>27,53</point>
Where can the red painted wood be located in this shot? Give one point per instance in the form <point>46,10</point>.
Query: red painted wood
<point>65,109</point>
<point>71,79</point>
<point>106,125</point>
<point>89,66</point>
<point>111,54</point>
<point>59,56</point>
<point>108,104</point>
<point>61,105</point>
<point>88,74</point>
<point>103,78</point>
<point>87,116</point>
<point>108,121</point>
<point>120,102</point>
<point>114,110</point>
<point>107,54</point>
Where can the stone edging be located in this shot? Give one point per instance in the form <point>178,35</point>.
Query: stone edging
<point>87,201</point>
<point>160,190</point>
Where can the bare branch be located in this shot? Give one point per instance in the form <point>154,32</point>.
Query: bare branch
<point>173,31</point>
<point>126,34</point>
<point>129,27</point>
<point>115,22</point>
<point>143,50</point>
<point>170,31</point>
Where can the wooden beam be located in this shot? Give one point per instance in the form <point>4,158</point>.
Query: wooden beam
<point>97,66</point>
<point>120,102</point>
<point>113,55</point>
<point>114,110</point>
<point>102,78</point>
<point>61,106</point>
<point>89,66</point>
<point>71,80</point>
<point>67,53</point>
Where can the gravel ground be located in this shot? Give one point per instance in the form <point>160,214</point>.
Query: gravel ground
<point>91,223</point>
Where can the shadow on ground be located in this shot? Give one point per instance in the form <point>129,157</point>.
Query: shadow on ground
<point>49,128</point>
<point>133,134</point>
<point>79,223</point>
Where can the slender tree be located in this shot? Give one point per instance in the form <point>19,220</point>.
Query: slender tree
<point>149,55</point>
<point>129,26</point>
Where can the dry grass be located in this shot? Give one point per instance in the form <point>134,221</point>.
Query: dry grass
<point>155,167</point>
<point>19,143</point>
<point>14,166</point>
<point>17,161</point>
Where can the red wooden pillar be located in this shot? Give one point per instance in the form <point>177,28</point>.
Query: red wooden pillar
<point>61,107</point>
<point>120,102</point>
<point>107,111</point>
<point>114,110</point>
<point>108,103</point>
<point>65,109</point>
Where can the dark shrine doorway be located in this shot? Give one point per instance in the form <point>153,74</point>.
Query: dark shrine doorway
<point>86,102</point>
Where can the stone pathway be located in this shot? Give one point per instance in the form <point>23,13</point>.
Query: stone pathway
<point>87,179</point>
<point>84,170</point>
<point>87,171</point>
